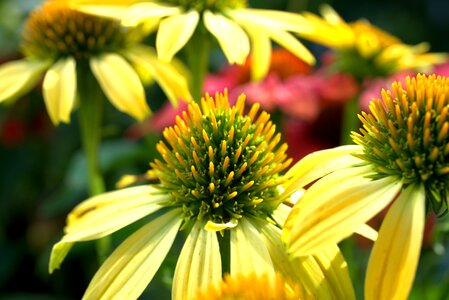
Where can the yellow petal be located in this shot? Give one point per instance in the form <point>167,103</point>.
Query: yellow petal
<point>19,77</point>
<point>366,231</point>
<point>394,258</point>
<point>106,213</point>
<point>304,270</point>
<point>274,19</point>
<point>331,16</point>
<point>172,82</point>
<point>281,213</point>
<point>335,270</point>
<point>140,12</point>
<point>335,206</point>
<point>214,227</point>
<point>319,164</point>
<point>174,32</point>
<point>199,264</point>
<point>289,42</point>
<point>108,11</point>
<point>121,84</point>
<point>131,267</point>
<point>249,253</point>
<point>232,39</point>
<point>60,90</point>
<point>260,53</point>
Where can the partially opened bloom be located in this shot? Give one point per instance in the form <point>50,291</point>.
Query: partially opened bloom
<point>401,158</point>
<point>62,43</point>
<point>219,180</point>
<point>237,28</point>
<point>363,49</point>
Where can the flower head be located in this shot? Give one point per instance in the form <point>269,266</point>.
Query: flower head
<point>237,28</point>
<point>220,178</point>
<point>253,286</point>
<point>363,49</point>
<point>61,42</point>
<point>400,159</point>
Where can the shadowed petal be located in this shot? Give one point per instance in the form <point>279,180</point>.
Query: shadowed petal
<point>232,39</point>
<point>19,77</point>
<point>394,258</point>
<point>121,84</point>
<point>103,214</point>
<point>334,207</point>
<point>131,267</point>
<point>60,90</point>
<point>141,12</point>
<point>174,32</point>
<point>249,253</point>
<point>199,264</point>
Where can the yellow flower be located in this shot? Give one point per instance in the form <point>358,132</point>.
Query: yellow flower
<point>251,287</point>
<point>58,42</point>
<point>220,181</point>
<point>236,27</point>
<point>363,49</point>
<point>401,158</point>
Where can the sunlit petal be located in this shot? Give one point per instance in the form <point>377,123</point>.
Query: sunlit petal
<point>289,42</point>
<point>199,264</point>
<point>366,231</point>
<point>131,267</point>
<point>174,32</point>
<point>60,90</point>
<point>319,164</point>
<point>260,51</point>
<point>394,258</point>
<point>248,251</point>
<point>335,206</point>
<point>141,12</point>
<point>232,39</point>
<point>172,82</point>
<point>106,213</point>
<point>273,19</point>
<point>121,84</point>
<point>19,77</point>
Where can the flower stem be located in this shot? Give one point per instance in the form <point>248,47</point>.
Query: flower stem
<point>350,122</point>
<point>197,51</point>
<point>91,100</point>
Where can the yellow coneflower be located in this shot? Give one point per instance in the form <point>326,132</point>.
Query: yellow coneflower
<point>220,180</point>
<point>363,49</point>
<point>63,43</point>
<point>237,27</point>
<point>401,158</point>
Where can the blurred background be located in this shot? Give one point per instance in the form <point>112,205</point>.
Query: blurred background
<point>42,167</point>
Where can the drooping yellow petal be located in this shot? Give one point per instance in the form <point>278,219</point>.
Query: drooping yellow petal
<point>140,12</point>
<point>394,258</point>
<point>214,227</point>
<point>274,19</point>
<point>334,207</point>
<point>304,269</point>
<point>281,213</point>
<point>335,270</point>
<point>174,32</point>
<point>172,82</point>
<point>60,90</point>
<point>248,251</point>
<point>232,39</point>
<point>199,264</point>
<point>289,42</point>
<point>121,84</point>
<point>319,164</point>
<point>131,267</point>
<point>366,231</point>
<point>260,51</point>
<point>103,214</point>
<point>19,77</point>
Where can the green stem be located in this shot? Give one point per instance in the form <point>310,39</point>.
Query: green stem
<point>350,122</point>
<point>91,100</point>
<point>197,51</point>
